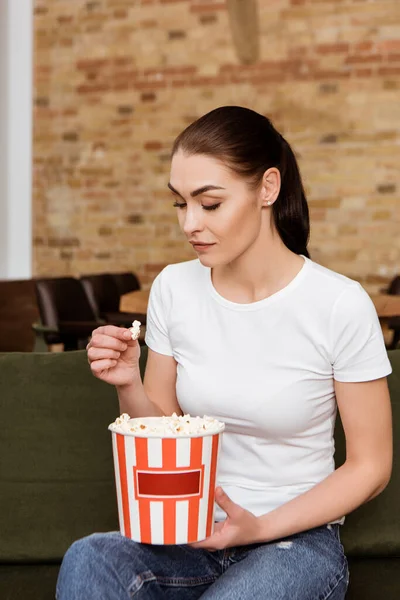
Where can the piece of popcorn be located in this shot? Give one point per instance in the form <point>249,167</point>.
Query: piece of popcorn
<point>135,330</point>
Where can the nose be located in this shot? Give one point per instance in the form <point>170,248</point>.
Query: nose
<point>192,221</point>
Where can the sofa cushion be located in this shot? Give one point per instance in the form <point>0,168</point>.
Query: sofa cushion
<point>374,528</point>
<point>28,582</point>
<point>56,468</point>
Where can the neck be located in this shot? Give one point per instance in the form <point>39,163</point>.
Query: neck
<point>262,270</point>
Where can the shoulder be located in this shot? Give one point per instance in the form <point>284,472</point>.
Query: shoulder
<point>330,286</point>
<point>341,299</point>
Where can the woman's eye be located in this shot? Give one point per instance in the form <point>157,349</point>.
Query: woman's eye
<point>213,207</point>
<point>183,205</point>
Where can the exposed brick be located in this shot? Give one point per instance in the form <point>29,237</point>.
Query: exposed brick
<point>388,71</point>
<point>120,14</point>
<point>363,72</point>
<point>329,88</point>
<point>373,278</point>
<point>148,97</point>
<point>148,24</point>
<point>388,45</point>
<point>43,102</point>
<point>93,5</point>
<point>93,89</point>
<point>125,110</point>
<point>363,46</point>
<point>391,85</point>
<point>347,230</point>
<point>364,58</point>
<point>381,215</point>
<point>332,48</point>
<point>40,10</point>
<point>65,19</point>
<point>134,219</point>
<point>70,136</point>
<point>107,75</point>
<point>55,242</point>
<point>325,203</point>
<point>105,230</point>
<point>176,35</point>
<point>387,188</point>
<point>153,145</point>
<point>204,7</point>
<point>91,64</point>
<point>208,19</point>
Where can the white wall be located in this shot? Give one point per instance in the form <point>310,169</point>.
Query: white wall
<point>16,50</point>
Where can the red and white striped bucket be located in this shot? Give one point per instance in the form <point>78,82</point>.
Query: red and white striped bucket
<point>166,486</point>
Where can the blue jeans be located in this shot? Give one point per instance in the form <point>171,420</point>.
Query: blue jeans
<point>307,566</point>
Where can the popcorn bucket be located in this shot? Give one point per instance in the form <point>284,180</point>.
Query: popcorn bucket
<point>166,485</point>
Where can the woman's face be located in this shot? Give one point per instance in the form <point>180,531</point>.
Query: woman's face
<point>215,207</point>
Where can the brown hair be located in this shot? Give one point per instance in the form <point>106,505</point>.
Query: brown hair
<point>249,144</point>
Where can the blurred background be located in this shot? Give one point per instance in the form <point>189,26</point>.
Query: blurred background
<point>93,93</point>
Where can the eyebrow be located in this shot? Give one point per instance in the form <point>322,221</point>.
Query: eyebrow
<point>202,190</point>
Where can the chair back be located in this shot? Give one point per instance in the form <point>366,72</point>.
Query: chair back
<point>126,282</point>
<point>62,299</point>
<point>394,287</point>
<point>102,293</point>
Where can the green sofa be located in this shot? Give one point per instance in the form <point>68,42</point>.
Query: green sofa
<point>57,479</point>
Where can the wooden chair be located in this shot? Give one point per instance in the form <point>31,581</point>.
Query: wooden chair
<point>65,313</point>
<point>18,311</point>
<point>394,322</point>
<point>104,297</point>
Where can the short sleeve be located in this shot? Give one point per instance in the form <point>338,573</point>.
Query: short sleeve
<point>358,347</point>
<point>157,329</point>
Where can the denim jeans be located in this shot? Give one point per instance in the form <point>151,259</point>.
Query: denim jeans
<point>107,566</point>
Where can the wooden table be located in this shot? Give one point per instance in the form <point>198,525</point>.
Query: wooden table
<point>135,301</point>
<point>386,305</point>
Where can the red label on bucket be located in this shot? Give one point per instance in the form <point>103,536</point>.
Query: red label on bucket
<point>168,484</point>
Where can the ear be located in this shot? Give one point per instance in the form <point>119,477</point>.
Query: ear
<point>270,186</point>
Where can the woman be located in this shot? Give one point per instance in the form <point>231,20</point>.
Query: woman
<point>254,333</point>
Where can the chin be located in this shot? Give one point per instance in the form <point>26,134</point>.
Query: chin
<point>210,261</point>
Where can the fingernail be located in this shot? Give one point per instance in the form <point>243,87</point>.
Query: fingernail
<point>124,347</point>
<point>127,335</point>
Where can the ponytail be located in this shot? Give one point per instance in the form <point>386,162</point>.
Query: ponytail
<point>290,210</point>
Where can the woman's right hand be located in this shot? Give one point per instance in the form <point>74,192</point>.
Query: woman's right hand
<point>113,355</point>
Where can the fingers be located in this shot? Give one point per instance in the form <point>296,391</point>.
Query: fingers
<point>102,365</point>
<point>100,353</point>
<point>222,499</point>
<point>109,342</point>
<point>120,333</point>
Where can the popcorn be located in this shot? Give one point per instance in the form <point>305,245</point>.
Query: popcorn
<point>135,330</point>
<point>173,426</point>
<point>121,423</point>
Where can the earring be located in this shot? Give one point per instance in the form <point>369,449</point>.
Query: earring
<point>269,203</point>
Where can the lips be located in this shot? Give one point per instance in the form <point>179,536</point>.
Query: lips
<point>201,243</point>
<point>199,246</point>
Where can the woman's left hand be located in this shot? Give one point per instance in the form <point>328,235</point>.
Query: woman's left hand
<point>240,527</point>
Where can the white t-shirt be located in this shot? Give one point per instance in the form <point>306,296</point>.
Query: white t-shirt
<point>267,369</point>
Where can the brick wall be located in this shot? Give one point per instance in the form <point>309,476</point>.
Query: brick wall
<point>117,80</point>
